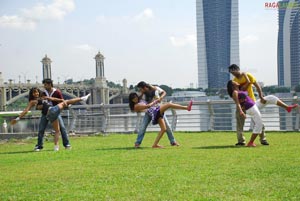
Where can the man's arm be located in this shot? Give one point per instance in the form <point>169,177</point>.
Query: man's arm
<point>141,107</point>
<point>56,97</point>
<point>238,105</point>
<point>260,93</point>
<point>245,86</point>
<point>53,99</point>
<point>162,93</point>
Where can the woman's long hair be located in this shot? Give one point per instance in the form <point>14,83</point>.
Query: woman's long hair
<point>131,103</point>
<point>230,88</point>
<point>31,91</point>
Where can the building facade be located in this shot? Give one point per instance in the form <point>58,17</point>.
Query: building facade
<point>288,46</point>
<point>100,92</point>
<point>217,41</point>
<point>46,61</point>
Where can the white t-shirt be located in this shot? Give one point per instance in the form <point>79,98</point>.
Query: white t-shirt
<point>158,91</point>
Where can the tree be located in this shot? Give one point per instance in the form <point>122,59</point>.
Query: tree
<point>69,81</point>
<point>19,104</point>
<point>275,89</point>
<point>113,85</point>
<point>297,88</point>
<point>168,89</point>
<point>211,91</point>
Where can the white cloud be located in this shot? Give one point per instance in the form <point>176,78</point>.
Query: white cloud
<point>86,47</point>
<point>249,39</point>
<point>55,11</point>
<point>101,19</point>
<point>189,39</point>
<point>29,18</point>
<point>17,22</point>
<point>144,15</point>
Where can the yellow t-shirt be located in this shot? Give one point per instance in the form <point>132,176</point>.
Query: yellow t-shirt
<point>242,81</point>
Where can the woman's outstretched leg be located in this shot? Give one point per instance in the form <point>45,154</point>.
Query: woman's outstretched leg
<point>166,106</point>
<point>66,103</point>
<point>271,99</point>
<point>288,108</point>
<point>163,129</point>
<point>76,100</point>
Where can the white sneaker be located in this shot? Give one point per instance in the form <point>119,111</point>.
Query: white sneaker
<point>85,98</point>
<point>56,148</point>
<point>68,147</point>
<point>38,148</point>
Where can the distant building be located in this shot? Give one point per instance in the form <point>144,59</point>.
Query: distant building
<point>288,47</point>
<point>189,94</point>
<point>46,61</point>
<point>217,41</point>
<point>100,89</point>
<point>179,96</point>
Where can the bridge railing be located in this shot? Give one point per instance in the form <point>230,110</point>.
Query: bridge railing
<point>205,116</point>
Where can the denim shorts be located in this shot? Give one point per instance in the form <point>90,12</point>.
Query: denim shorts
<point>53,113</point>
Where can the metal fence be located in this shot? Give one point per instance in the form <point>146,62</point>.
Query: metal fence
<point>204,116</point>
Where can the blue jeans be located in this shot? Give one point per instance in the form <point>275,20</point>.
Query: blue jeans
<point>146,120</point>
<point>43,125</point>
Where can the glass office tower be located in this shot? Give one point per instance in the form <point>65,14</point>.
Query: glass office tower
<point>217,41</point>
<point>288,47</point>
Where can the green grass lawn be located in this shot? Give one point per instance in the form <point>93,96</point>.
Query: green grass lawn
<point>207,166</point>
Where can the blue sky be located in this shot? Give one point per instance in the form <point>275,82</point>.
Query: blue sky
<point>150,40</point>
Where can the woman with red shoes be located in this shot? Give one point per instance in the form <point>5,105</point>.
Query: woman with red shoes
<point>156,112</point>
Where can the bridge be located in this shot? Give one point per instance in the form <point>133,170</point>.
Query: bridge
<point>100,93</point>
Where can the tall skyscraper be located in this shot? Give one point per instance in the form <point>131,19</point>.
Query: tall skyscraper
<point>288,47</point>
<point>217,41</point>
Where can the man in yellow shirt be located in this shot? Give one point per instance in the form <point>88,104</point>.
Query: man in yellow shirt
<point>246,80</point>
